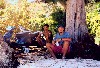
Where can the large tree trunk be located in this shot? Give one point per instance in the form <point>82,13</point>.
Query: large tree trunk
<point>76,19</point>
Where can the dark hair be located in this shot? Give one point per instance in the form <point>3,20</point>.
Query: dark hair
<point>61,26</point>
<point>46,25</point>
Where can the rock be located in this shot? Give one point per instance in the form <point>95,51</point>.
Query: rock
<point>5,53</point>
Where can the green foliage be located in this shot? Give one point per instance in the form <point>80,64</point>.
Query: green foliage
<point>29,15</point>
<point>93,20</point>
<point>60,17</point>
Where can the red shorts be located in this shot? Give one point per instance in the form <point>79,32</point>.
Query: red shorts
<point>57,49</point>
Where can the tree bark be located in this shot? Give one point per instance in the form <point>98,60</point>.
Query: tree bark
<point>76,19</point>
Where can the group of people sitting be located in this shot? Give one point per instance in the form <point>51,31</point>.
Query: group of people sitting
<point>58,44</point>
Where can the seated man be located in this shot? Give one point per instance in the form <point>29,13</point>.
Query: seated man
<point>60,43</point>
<point>8,35</point>
<point>46,35</point>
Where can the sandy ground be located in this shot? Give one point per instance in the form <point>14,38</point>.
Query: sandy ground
<point>41,62</point>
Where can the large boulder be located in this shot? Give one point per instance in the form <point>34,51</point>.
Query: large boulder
<point>5,53</point>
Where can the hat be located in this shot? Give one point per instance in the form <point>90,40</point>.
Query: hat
<point>10,27</point>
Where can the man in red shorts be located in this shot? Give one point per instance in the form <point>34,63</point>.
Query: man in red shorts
<point>60,43</point>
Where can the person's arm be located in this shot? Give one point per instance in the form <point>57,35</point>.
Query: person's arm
<point>54,40</point>
<point>49,38</point>
<point>63,39</point>
<point>58,40</point>
<point>66,39</point>
<point>39,36</point>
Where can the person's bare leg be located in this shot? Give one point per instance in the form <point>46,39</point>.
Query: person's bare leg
<point>49,47</point>
<point>65,48</point>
